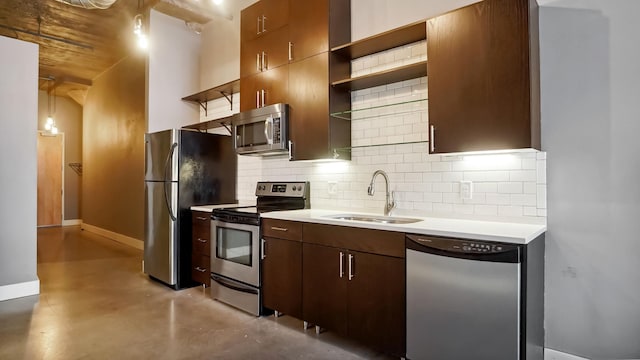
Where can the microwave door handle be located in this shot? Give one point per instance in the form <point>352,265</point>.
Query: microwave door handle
<point>268,130</point>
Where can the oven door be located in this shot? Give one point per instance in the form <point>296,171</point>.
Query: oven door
<point>236,251</point>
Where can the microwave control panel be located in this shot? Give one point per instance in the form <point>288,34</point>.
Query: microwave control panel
<point>276,130</point>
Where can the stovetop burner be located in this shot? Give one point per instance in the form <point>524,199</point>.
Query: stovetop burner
<point>270,196</point>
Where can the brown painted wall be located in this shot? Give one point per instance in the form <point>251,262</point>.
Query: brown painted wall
<point>113,150</point>
<point>68,116</point>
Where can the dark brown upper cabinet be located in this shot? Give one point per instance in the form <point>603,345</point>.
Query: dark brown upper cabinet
<point>483,66</point>
<point>262,18</point>
<point>293,55</point>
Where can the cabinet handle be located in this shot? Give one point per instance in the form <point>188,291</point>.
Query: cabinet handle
<point>433,138</point>
<point>265,66</point>
<point>290,150</point>
<point>258,32</point>
<point>258,68</point>
<point>351,272</point>
<point>262,93</point>
<point>263,245</point>
<point>204,241</point>
<point>341,266</point>
<point>264,23</point>
<point>279,228</point>
<point>201,218</point>
<point>290,51</point>
<point>198,268</point>
<point>257,99</point>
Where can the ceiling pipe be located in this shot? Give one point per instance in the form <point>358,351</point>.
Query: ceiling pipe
<point>89,4</point>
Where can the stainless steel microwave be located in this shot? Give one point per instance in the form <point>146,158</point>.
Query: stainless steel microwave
<point>262,131</point>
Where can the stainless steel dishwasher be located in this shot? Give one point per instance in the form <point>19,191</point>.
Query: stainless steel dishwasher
<point>465,300</point>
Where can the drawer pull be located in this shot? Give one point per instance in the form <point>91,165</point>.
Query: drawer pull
<point>198,268</point>
<point>201,218</point>
<point>204,241</point>
<point>279,228</point>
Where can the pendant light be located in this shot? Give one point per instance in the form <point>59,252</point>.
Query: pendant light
<point>50,124</point>
<point>138,28</point>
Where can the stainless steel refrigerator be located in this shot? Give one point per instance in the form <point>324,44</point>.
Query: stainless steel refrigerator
<point>182,168</point>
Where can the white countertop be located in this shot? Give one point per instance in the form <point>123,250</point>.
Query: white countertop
<point>507,232</point>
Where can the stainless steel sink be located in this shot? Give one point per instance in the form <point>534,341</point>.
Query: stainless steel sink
<point>374,219</point>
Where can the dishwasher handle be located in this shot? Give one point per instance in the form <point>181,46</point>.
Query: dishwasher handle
<point>465,249</point>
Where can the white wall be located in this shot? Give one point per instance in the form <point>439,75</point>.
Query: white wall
<point>18,158</point>
<point>590,79</point>
<point>220,55</point>
<point>370,17</point>
<point>172,73</point>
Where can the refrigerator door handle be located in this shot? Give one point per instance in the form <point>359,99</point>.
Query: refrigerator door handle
<point>166,195</point>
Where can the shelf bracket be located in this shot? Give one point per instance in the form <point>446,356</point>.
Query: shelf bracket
<point>203,105</point>
<point>229,98</point>
<point>227,127</point>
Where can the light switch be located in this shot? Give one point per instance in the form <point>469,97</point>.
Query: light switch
<point>332,187</point>
<point>466,190</point>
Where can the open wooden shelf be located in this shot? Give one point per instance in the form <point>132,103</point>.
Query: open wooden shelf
<point>396,74</point>
<point>225,90</point>
<point>212,124</point>
<point>384,41</point>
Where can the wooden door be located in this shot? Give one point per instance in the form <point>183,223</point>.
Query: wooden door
<point>309,26</point>
<point>480,81</point>
<point>309,104</point>
<point>264,53</point>
<point>262,18</point>
<point>49,180</point>
<point>282,276</point>
<point>324,291</point>
<point>376,302</point>
<point>274,83</point>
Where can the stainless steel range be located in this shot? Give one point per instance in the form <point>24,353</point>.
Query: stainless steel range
<point>235,234</point>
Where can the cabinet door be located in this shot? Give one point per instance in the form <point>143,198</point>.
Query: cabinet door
<point>324,289</point>
<point>200,268</point>
<point>308,106</point>
<point>376,301</point>
<point>264,53</point>
<point>309,26</point>
<point>282,276</point>
<point>479,78</point>
<point>262,18</point>
<point>274,83</point>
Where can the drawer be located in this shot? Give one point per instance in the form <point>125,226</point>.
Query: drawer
<point>201,219</point>
<point>372,241</point>
<point>201,245</point>
<point>200,268</point>
<point>282,229</point>
<point>201,232</point>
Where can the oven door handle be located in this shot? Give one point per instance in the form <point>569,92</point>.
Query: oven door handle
<point>234,286</point>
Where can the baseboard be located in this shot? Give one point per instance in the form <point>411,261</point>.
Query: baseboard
<point>550,354</point>
<point>14,291</point>
<point>71,222</point>
<point>123,239</point>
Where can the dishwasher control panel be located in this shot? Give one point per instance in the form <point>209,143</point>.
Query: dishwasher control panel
<point>463,246</point>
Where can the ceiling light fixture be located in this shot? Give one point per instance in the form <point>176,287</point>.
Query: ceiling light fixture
<point>138,30</point>
<point>50,124</point>
<point>217,2</point>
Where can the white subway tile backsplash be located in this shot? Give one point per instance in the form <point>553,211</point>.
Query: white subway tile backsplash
<point>505,185</point>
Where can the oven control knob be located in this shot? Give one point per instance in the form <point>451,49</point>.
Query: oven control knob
<point>295,188</point>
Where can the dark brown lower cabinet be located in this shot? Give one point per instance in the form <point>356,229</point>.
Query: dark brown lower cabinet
<point>324,289</point>
<point>356,294</point>
<point>376,302</point>
<point>282,276</point>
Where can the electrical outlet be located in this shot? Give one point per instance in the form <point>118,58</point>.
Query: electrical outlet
<point>332,187</point>
<point>466,190</point>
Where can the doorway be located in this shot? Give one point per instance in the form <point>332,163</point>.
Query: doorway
<point>50,169</point>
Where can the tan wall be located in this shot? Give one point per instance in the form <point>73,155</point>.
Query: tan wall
<point>68,117</point>
<point>113,150</point>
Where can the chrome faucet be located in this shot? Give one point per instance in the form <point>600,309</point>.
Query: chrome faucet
<point>390,203</point>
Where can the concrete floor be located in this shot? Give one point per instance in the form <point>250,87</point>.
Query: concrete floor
<point>95,303</point>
